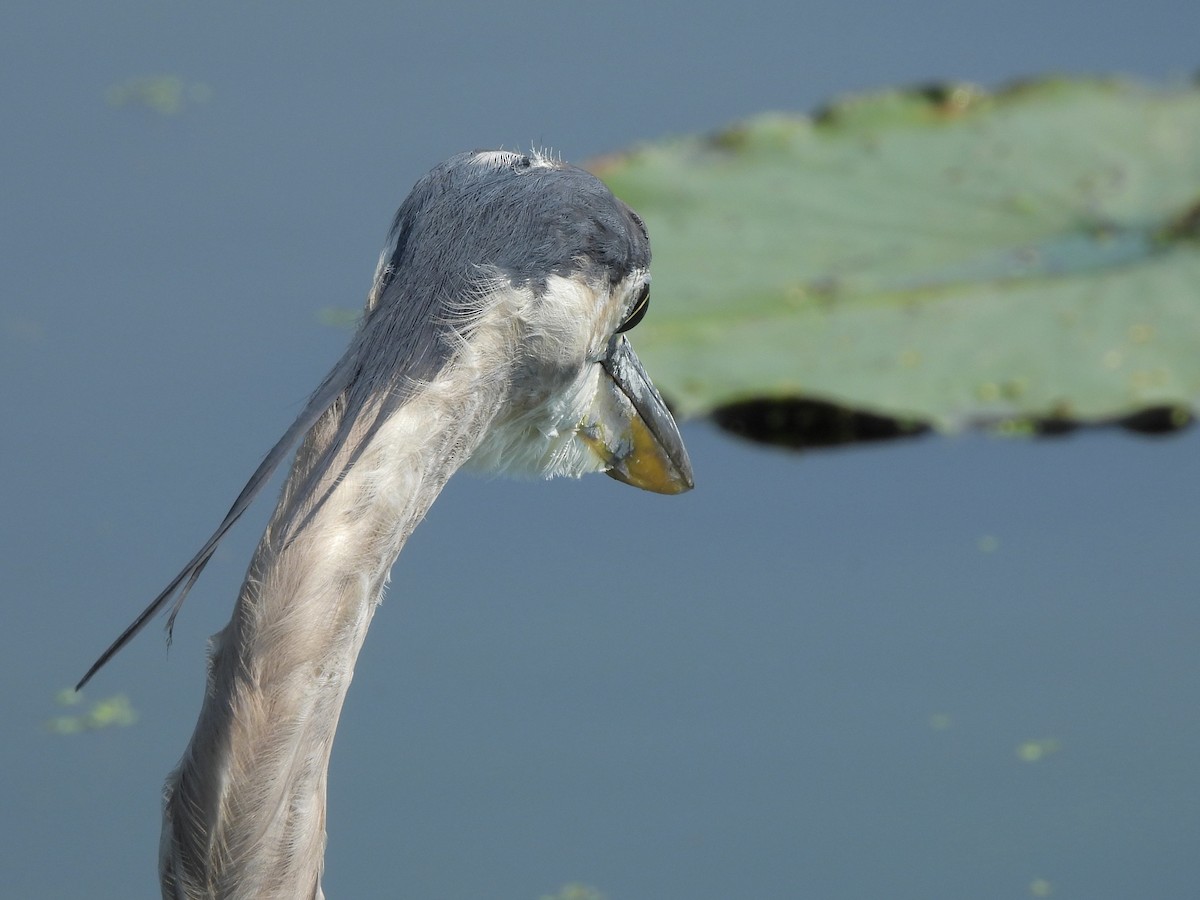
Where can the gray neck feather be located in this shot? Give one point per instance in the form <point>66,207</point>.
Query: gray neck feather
<point>244,815</point>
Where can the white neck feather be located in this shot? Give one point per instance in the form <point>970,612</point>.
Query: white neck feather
<point>245,811</point>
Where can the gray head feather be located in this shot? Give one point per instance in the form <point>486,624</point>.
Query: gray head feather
<point>475,216</point>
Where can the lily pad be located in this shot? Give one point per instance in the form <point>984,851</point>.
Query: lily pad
<point>935,258</point>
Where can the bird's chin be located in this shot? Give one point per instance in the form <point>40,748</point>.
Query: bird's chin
<point>545,440</point>
<point>610,419</point>
<point>533,454</point>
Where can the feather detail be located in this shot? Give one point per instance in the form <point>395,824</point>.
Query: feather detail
<point>494,304</point>
<point>251,785</point>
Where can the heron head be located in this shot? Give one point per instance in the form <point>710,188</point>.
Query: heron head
<point>538,273</point>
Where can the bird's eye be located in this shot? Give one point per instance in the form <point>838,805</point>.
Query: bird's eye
<point>638,311</point>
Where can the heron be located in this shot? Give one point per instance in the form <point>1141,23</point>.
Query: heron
<point>494,337</point>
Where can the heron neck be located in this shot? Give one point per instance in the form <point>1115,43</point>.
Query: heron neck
<point>245,811</point>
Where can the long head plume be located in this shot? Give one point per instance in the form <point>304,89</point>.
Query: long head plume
<point>494,332</point>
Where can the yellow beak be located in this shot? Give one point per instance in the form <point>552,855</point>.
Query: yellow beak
<point>630,428</point>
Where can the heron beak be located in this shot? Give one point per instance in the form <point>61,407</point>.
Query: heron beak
<point>631,429</point>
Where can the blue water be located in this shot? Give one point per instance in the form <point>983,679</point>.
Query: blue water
<point>817,676</point>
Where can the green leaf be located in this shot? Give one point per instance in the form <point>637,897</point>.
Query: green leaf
<point>110,712</point>
<point>939,257</point>
<point>167,95</point>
